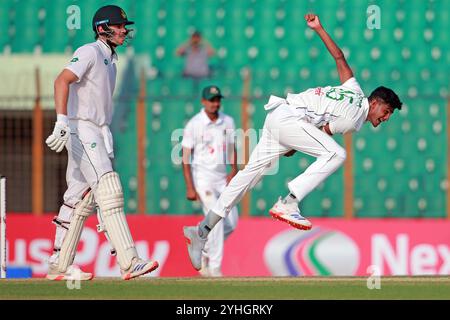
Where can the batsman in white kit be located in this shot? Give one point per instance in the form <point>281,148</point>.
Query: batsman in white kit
<point>208,146</point>
<point>84,107</point>
<point>302,122</point>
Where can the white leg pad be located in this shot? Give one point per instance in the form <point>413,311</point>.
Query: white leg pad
<point>69,246</point>
<point>109,197</point>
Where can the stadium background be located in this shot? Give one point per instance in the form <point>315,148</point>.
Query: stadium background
<point>399,170</point>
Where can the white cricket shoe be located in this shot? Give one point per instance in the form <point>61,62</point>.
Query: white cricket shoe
<point>289,213</point>
<point>139,268</point>
<point>195,246</point>
<point>73,272</point>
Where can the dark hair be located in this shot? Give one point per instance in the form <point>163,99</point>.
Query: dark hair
<point>388,96</point>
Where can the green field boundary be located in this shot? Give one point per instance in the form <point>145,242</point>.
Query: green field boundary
<point>278,288</point>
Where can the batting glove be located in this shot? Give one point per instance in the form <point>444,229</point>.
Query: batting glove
<point>58,139</point>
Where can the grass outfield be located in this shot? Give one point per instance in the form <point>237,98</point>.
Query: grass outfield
<point>231,288</point>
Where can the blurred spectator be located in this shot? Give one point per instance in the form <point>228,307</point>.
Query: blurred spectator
<point>197,51</point>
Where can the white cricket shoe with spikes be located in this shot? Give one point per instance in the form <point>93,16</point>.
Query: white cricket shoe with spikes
<point>289,213</point>
<point>138,268</point>
<point>195,246</point>
<point>73,272</point>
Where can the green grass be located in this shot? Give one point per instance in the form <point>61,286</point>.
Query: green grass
<point>231,288</point>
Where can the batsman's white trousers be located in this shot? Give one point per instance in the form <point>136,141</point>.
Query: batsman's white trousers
<point>284,131</point>
<point>209,193</point>
<point>88,160</point>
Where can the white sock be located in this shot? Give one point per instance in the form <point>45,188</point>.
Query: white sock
<point>207,224</point>
<point>290,198</point>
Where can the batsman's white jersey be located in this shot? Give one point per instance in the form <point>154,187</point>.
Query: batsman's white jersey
<point>90,98</point>
<point>294,123</point>
<point>211,143</point>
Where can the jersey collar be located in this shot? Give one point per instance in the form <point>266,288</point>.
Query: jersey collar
<point>206,120</point>
<point>107,50</point>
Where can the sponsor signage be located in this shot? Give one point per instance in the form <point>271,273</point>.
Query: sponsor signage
<point>260,246</point>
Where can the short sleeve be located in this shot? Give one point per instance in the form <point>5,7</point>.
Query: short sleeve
<point>188,136</point>
<point>82,60</point>
<point>352,84</point>
<point>342,125</point>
